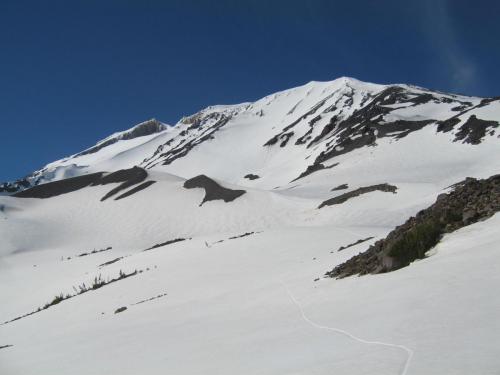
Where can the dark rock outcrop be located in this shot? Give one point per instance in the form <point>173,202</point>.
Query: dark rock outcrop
<point>126,178</point>
<point>251,176</point>
<point>202,128</point>
<point>362,190</point>
<point>471,201</point>
<point>213,191</point>
<point>340,187</point>
<point>145,128</point>
<point>474,130</point>
<point>138,188</point>
<point>120,309</point>
<point>52,189</point>
<point>313,168</point>
<point>354,243</point>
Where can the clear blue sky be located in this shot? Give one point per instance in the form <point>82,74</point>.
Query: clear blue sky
<point>73,72</point>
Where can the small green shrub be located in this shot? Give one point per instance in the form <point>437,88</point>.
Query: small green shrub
<point>55,301</point>
<point>416,242</point>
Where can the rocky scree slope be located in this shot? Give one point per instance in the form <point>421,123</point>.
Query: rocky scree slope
<point>471,200</point>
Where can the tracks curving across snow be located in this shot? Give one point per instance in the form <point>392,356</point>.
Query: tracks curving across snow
<point>408,351</point>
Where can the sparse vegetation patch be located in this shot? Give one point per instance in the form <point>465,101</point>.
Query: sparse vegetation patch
<point>471,201</point>
<point>97,283</point>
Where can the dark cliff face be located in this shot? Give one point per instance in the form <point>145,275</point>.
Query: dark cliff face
<point>471,201</point>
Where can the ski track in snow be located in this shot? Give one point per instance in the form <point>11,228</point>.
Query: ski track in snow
<point>407,350</point>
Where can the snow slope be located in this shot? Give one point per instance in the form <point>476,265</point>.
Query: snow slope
<point>243,292</point>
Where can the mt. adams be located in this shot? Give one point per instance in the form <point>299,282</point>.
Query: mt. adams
<point>282,135</point>
<point>241,250</point>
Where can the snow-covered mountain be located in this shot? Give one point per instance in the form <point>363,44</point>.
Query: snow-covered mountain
<point>284,135</point>
<point>215,234</point>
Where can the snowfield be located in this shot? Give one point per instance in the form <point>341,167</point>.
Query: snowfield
<point>243,290</point>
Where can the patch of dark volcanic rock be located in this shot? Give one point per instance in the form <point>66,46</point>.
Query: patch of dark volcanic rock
<point>122,175</point>
<point>251,176</point>
<point>487,101</point>
<point>447,125</point>
<point>362,190</point>
<point>365,138</point>
<point>120,309</point>
<point>307,136</point>
<point>52,189</point>
<point>471,201</point>
<point>473,130</point>
<point>136,189</point>
<point>127,177</point>
<point>327,129</point>
<point>354,243</point>
<point>285,138</point>
<point>213,191</point>
<point>313,168</point>
<point>198,126</point>
<point>284,131</point>
<point>340,187</point>
<point>367,124</point>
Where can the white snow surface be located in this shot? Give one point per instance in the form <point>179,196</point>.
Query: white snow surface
<point>256,304</point>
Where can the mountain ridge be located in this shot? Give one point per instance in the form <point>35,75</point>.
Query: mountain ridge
<point>343,115</point>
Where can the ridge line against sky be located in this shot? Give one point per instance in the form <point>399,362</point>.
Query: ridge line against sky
<point>75,72</point>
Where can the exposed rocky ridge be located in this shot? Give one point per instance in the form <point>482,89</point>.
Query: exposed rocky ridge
<point>197,129</point>
<point>314,168</point>
<point>346,131</point>
<point>53,189</point>
<point>474,130</point>
<point>126,178</point>
<point>368,123</point>
<point>144,128</point>
<point>471,201</point>
<point>361,240</point>
<point>213,191</point>
<point>362,190</point>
